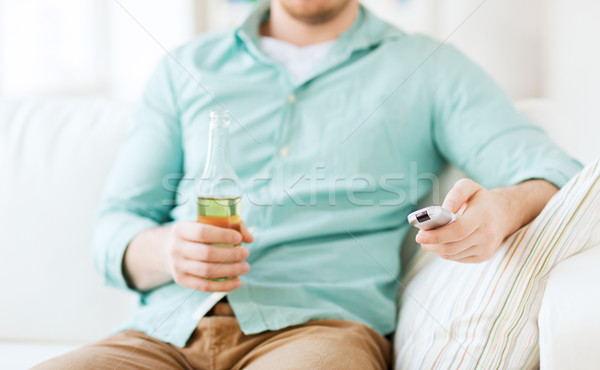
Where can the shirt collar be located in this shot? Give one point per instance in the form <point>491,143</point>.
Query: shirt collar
<point>366,31</point>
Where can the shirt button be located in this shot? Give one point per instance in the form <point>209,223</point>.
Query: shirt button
<point>284,151</point>
<point>252,229</point>
<point>291,98</point>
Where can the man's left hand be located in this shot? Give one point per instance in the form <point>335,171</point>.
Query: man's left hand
<point>479,230</point>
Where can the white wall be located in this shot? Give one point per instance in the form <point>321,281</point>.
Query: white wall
<point>533,48</point>
<point>571,70</point>
<point>89,47</point>
<point>536,48</point>
<point>409,15</point>
<point>502,36</point>
<point>139,31</point>
<point>43,48</point>
<point>110,47</point>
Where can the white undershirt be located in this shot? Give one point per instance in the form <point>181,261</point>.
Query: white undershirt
<point>299,60</point>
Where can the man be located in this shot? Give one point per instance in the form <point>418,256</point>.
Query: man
<point>336,116</point>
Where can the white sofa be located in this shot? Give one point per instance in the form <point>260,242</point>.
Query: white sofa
<point>55,154</point>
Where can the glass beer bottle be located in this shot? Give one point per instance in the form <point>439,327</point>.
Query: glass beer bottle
<point>219,192</point>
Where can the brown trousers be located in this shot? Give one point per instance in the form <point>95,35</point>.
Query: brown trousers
<point>218,343</point>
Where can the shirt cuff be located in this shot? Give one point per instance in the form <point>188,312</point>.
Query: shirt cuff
<point>113,233</point>
<point>557,176</point>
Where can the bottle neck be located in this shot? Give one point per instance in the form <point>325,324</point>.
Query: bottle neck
<point>218,161</point>
<point>219,180</point>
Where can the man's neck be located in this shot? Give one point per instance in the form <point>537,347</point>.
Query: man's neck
<point>284,27</point>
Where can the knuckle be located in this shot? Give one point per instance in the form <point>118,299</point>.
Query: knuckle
<point>229,237</point>
<point>462,229</point>
<point>489,234</point>
<point>176,266</point>
<point>233,269</point>
<point>219,271</point>
<point>202,232</point>
<point>448,250</point>
<point>203,269</point>
<point>174,250</point>
<point>176,228</point>
<point>231,285</point>
<point>241,253</point>
<point>234,237</point>
<point>178,278</point>
<point>202,285</point>
<point>207,253</point>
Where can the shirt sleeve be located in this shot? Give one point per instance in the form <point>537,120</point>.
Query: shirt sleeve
<point>135,197</point>
<point>477,128</point>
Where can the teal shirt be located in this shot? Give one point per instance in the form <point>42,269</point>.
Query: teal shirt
<point>330,167</point>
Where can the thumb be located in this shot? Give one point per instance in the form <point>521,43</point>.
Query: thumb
<point>246,236</point>
<point>461,192</point>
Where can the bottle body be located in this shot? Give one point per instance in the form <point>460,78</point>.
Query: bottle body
<point>218,190</point>
<point>225,212</point>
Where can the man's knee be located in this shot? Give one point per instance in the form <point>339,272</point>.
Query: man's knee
<point>127,350</point>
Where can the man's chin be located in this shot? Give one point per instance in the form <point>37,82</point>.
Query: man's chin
<point>313,11</point>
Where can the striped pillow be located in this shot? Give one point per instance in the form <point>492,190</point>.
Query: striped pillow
<point>467,316</point>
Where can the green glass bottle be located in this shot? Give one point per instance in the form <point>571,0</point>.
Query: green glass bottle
<point>218,191</point>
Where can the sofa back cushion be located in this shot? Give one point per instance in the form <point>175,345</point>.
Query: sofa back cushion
<point>55,154</point>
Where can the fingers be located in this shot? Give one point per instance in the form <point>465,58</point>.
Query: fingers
<point>475,236</point>
<point>458,230</point>
<point>204,233</point>
<point>194,282</point>
<point>461,192</point>
<point>213,270</point>
<point>451,250</point>
<point>458,249</point>
<point>474,249</point>
<point>472,259</point>
<point>195,262</point>
<point>465,252</point>
<point>213,253</point>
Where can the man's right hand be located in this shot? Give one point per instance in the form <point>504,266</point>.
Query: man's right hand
<point>194,262</point>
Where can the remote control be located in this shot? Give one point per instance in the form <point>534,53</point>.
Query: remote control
<point>430,218</point>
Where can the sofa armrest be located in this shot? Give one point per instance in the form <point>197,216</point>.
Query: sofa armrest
<point>569,322</point>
